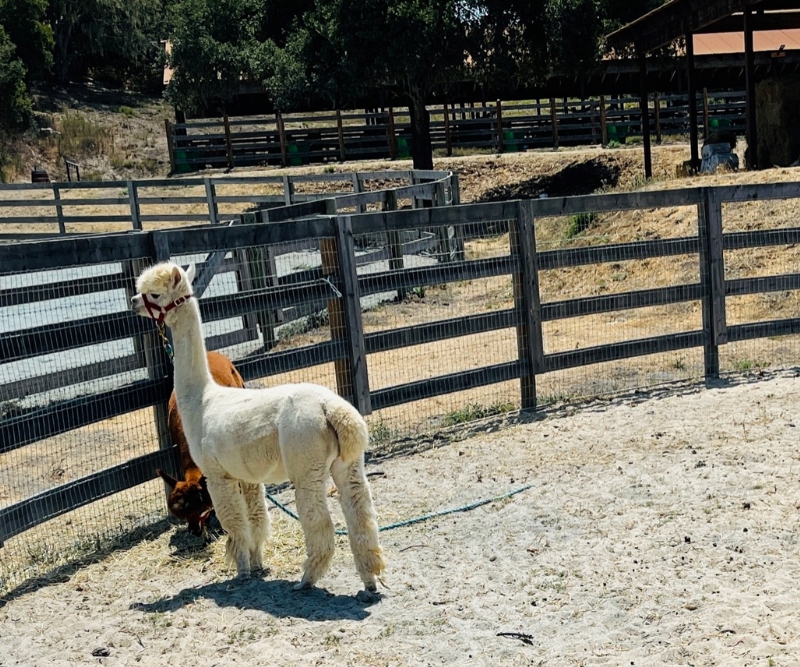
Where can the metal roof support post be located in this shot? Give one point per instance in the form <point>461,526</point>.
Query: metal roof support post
<point>692,93</point>
<point>751,154</point>
<point>645,109</point>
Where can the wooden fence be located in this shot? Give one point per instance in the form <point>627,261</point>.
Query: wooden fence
<point>340,287</point>
<point>144,204</point>
<point>296,139</point>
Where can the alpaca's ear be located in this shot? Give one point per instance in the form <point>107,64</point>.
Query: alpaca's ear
<point>169,479</point>
<point>176,277</point>
<point>190,273</point>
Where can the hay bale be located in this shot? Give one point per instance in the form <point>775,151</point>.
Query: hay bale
<point>777,120</point>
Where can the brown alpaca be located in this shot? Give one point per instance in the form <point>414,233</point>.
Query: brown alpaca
<point>189,499</point>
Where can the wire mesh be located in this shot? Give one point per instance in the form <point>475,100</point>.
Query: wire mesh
<point>633,272</point>
<point>69,375</point>
<point>445,311</point>
<point>760,262</point>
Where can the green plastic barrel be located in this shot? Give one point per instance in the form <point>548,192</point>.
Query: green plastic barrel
<point>510,142</point>
<point>295,159</point>
<point>402,149</point>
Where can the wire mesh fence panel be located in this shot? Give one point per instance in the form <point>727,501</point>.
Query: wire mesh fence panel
<point>441,285</point>
<point>74,397</point>
<point>611,227</point>
<point>762,284</point>
<point>630,304</point>
<point>619,376</point>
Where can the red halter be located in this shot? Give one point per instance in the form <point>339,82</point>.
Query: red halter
<point>158,313</point>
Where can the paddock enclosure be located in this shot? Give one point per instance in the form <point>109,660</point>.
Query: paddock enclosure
<point>507,127</point>
<point>427,318</point>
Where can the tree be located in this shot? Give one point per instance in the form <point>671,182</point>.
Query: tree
<point>90,30</point>
<point>415,48</point>
<point>220,45</point>
<point>25,23</point>
<point>15,105</point>
<point>574,32</point>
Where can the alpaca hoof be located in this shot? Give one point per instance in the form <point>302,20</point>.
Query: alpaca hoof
<point>243,576</point>
<point>368,595</point>
<point>302,586</point>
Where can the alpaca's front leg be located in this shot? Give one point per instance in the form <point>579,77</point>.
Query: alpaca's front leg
<point>259,521</point>
<point>312,507</point>
<point>231,507</point>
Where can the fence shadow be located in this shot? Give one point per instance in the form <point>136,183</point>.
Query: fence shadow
<point>62,573</point>
<point>274,597</point>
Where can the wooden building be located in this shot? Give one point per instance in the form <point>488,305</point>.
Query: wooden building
<point>690,21</point>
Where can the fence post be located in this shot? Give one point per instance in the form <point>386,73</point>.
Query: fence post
<point>340,128</point>
<point>500,143</point>
<point>228,141</point>
<point>211,201</point>
<point>148,346</point>
<point>133,200</point>
<point>391,135</point>
<point>554,120</point>
<point>395,241</point>
<point>258,270</point>
<point>455,189</point>
<point>288,190</point>
<point>657,114</point>
<point>344,315</point>
<point>62,229</point>
<point>705,113</point>
<point>447,141</point>
<point>526,300</point>
<point>712,278</point>
<point>357,190</point>
<point>170,145</point>
<point>603,126</point>
<point>282,138</point>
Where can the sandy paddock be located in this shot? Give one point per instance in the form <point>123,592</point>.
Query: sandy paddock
<point>662,529</point>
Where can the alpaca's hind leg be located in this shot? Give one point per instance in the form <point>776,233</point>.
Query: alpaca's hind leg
<point>229,503</point>
<point>312,507</point>
<point>362,524</point>
<point>259,522</point>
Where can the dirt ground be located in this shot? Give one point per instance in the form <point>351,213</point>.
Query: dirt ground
<point>660,528</point>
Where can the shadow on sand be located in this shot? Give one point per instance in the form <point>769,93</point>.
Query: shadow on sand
<point>274,597</point>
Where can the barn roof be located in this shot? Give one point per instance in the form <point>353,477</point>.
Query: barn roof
<point>673,20</point>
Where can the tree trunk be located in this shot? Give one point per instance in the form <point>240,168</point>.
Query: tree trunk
<point>61,55</point>
<point>421,148</point>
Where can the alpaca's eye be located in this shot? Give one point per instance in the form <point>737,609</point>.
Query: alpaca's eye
<point>154,295</point>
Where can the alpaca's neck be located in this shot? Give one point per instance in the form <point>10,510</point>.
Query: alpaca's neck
<point>191,364</point>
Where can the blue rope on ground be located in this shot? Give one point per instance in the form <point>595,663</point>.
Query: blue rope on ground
<point>418,519</point>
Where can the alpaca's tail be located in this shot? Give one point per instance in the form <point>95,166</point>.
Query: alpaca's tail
<point>350,427</point>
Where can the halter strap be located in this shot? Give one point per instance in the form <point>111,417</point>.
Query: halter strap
<point>158,313</point>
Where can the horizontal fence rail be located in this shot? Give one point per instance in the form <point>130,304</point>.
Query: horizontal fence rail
<point>143,204</point>
<point>301,138</point>
<point>362,256</point>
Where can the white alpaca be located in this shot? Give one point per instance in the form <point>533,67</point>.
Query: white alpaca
<point>243,438</point>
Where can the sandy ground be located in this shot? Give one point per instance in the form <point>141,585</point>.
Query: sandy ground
<point>661,529</point>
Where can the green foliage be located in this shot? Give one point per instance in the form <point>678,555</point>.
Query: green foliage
<point>475,411</point>
<point>25,23</point>
<point>214,45</point>
<point>114,38</point>
<point>580,223</point>
<point>574,31</point>
<point>15,104</point>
